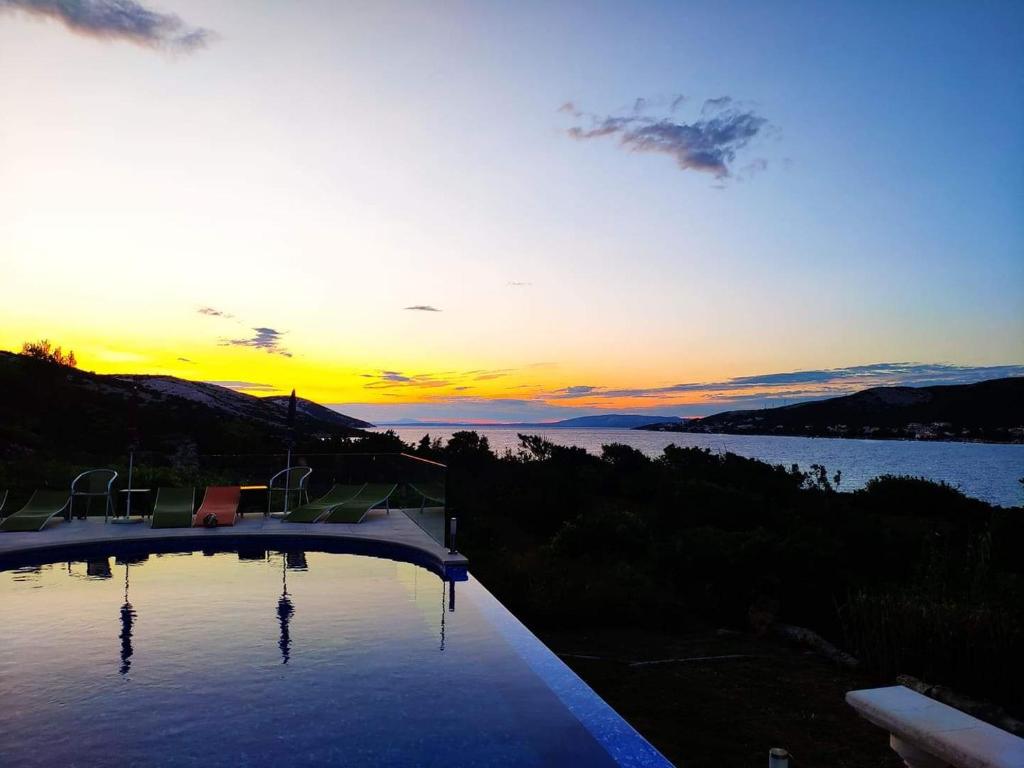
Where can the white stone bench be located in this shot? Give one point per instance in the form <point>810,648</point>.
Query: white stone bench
<point>929,734</point>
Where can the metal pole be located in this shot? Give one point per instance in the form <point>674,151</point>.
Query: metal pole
<point>778,758</point>
<point>451,536</point>
<point>131,462</point>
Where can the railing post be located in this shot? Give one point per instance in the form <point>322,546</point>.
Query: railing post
<point>452,524</point>
<point>778,758</point>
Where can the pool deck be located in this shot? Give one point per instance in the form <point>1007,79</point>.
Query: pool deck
<point>395,529</point>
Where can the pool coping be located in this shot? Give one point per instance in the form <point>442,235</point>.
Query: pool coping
<point>395,530</point>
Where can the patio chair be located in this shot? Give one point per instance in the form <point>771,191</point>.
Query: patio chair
<point>289,483</point>
<point>173,508</point>
<point>312,511</point>
<point>93,484</point>
<point>37,512</point>
<point>219,507</point>
<point>355,509</point>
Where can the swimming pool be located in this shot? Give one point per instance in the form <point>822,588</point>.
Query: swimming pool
<point>282,656</point>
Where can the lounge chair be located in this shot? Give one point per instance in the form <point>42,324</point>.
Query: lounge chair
<point>221,501</point>
<point>431,491</point>
<point>314,510</point>
<point>92,484</point>
<point>355,509</point>
<point>3,500</point>
<point>38,510</point>
<point>173,508</point>
<point>289,483</point>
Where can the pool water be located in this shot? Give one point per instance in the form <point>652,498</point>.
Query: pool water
<point>283,658</point>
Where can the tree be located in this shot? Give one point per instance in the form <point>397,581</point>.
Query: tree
<point>44,350</point>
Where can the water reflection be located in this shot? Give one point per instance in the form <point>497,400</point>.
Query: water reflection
<point>98,569</point>
<point>285,609</point>
<point>128,617</point>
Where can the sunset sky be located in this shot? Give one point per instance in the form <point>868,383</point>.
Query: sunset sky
<point>516,211</point>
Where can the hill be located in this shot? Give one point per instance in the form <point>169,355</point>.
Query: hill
<point>989,411</point>
<point>51,410</point>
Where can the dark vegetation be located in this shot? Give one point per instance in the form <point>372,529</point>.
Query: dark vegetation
<point>910,576</point>
<point>990,411</point>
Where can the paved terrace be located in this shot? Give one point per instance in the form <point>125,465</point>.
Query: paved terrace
<point>395,529</point>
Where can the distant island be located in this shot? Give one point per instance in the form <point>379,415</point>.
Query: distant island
<point>988,411</point>
<point>602,421</point>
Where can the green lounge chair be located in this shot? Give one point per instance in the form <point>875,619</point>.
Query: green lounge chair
<point>355,509</point>
<point>38,510</point>
<point>314,510</point>
<point>430,491</point>
<point>173,508</point>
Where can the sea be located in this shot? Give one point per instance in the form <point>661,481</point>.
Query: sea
<point>983,470</point>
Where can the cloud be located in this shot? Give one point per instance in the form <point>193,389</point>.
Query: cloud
<point>397,379</point>
<point>817,383</point>
<point>118,20</point>
<point>422,308</point>
<point>708,144</point>
<point>244,386</point>
<point>715,105</point>
<point>208,311</point>
<point>519,284</point>
<point>266,339</point>
<point>186,360</point>
<point>578,390</point>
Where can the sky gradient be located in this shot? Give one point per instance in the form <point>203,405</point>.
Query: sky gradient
<point>497,211</point>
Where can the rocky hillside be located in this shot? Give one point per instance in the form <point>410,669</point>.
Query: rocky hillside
<point>54,411</point>
<point>991,411</point>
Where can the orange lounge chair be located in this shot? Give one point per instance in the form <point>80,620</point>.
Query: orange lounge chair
<point>221,501</point>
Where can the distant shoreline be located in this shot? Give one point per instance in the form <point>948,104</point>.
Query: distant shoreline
<point>859,438</point>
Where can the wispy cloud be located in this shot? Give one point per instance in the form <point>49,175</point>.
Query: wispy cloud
<point>830,381</point>
<point>118,20</point>
<point>708,144</point>
<point>208,311</point>
<point>267,339</point>
<point>577,391</point>
<point>422,308</point>
<point>186,360</point>
<point>244,386</point>
<point>519,284</point>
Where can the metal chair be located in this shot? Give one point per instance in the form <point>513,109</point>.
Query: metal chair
<point>291,480</point>
<point>93,483</point>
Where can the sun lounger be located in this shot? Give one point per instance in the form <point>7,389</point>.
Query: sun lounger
<point>431,491</point>
<point>354,510</point>
<point>38,510</point>
<point>314,510</point>
<point>173,508</point>
<point>220,502</point>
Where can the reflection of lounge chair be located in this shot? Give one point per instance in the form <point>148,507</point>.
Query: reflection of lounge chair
<point>355,509</point>
<point>429,491</point>
<point>93,484</point>
<point>314,510</point>
<point>38,510</point>
<point>219,507</point>
<point>173,508</point>
<point>291,483</point>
